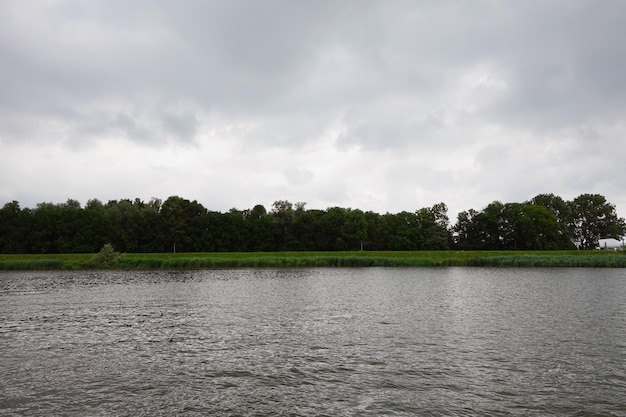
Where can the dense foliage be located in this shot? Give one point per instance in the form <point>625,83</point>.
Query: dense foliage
<point>546,222</point>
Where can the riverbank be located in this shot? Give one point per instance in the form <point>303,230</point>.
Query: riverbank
<point>321,259</point>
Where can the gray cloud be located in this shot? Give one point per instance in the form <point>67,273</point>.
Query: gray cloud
<point>439,100</point>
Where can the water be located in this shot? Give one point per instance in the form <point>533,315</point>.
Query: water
<point>314,342</point>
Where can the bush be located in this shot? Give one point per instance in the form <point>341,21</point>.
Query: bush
<point>106,258</point>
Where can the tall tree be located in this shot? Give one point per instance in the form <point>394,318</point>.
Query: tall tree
<point>434,225</point>
<point>555,204</point>
<point>181,225</point>
<point>13,228</point>
<point>466,234</point>
<point>403,230</point>
<point>260,230</point>
<point>594,218</point>
<point>563,212</point>
<point>283,216</point>
<point>544,222</point>
<point>330,225</point>
<point>491,226</point>
<point>353,232</point>
<point>531,227</point>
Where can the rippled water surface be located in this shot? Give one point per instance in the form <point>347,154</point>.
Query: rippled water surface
<point>313,342</point>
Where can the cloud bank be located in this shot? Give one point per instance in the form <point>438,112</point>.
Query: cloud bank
<point>378,105</point>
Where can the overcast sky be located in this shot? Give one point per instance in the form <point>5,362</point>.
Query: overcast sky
<point>378,105</point>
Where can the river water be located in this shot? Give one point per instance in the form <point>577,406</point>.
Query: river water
<point>314,342</point>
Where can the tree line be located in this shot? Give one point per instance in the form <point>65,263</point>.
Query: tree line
<point>546,222</point>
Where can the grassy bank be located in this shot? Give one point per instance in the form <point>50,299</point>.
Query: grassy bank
<point>323,259</point>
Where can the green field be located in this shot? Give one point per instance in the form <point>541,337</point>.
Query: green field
<point>323,259</point>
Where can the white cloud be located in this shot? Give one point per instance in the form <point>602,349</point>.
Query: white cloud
<point>377,105</point>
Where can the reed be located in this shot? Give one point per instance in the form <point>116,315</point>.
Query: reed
<point>272,262</point>
<point>564,261</point>
<point>323,259</point>
<point>31,265</point>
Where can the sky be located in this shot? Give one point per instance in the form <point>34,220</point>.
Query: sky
<point>377,105</point>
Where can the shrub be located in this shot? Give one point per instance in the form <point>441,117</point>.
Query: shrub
<point>106,258</point>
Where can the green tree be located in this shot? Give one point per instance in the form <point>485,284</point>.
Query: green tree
<point>466,235</point>
<point>303,233</point>
<point>181,225</point>
<point>329,228</point>
<point>308,228</point>
<point>555,204</point>
<point>531,227</point>
<point>403,231</point>
<point>283,215</point>
<point>353,231</point>
<point>260,230</point>
<point>434,226</point>
<point>46,217</point>
<point>233,233</point>
<point>594,218</point>
<point>482,230</point>
<point>213,235</point>
<point>563,212</point>
<point>14,230</point>
<point>376,233</point>
<point>490,226</point>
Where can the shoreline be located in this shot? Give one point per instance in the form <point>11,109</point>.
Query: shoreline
<point>215,260</point>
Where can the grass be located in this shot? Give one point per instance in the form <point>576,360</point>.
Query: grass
<point>323,259</point>
<point>34,264</point>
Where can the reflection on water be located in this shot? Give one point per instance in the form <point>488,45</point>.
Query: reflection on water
<point>336,342</point>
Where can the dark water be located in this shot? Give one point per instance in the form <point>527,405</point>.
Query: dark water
<point>318,342</point>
